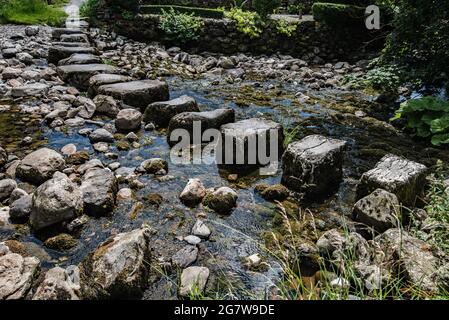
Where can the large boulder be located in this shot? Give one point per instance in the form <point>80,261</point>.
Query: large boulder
<point>313,165</point>
<point>59,284</point>
<point>206,119</point>
<point>55,201</point>
<point>128,120</point>
<point>78,75</point>
<point>136,93</point>
<point>119,267</point>
<point>161,112</point>
<point>404,178</point>
<point>193,281</point>
<point>59,52</point>
<point>7,186</point>
<point>101,79</point>
<point>242,141</point>
<point>380,210</point>
<point>99,188</point>
<point>16,274</point>
<point>409,257</point>
<point>39,166</point>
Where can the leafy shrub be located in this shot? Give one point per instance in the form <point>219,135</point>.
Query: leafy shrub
<point>247,22</point>
<point>180,27</point>
<point>428,117</point>
<point>31,12</point>
<point>266,7</point>
<point>201,12</point>
<point>296,8</point>
<point>385,78</point>
<point>338,14</point>
<point>286,28</point>
<point>89,8</point>
<point>420,39</point>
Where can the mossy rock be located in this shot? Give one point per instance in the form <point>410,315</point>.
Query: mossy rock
<point>61,242</point>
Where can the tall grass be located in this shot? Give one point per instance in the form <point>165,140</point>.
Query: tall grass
<point>32,12</point>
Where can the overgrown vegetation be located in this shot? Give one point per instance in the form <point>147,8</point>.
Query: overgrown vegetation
<point>419,40</point>
<point>89,8</point>
<point>286,28</point>
<point>385,78</point>
<point>247,22</point>
<point>336,14</point>
<point>32,12</point>
<point>266,7</point>
<point>180,27</point>
<point>427,117</point>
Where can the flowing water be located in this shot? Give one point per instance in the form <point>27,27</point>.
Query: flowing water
<point>239,234</point>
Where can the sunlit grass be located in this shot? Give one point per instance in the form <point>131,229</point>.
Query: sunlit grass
<point>32,12</point>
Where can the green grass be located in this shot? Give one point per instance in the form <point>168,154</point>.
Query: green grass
<point>32,12</point>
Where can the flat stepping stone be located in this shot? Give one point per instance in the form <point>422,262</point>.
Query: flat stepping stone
<point>29,90</point>
<point>244,155</point>
<point>72,44</point>
<point>57,32</point>
<point>400,176</point>
<point>206,119</point>
<point>102,79</point>
<point>78,75</point>
<point>313,165</point>
<point>57,53</point>
<point>76,37</point>
<point>160,113</point>
<point>81,58</point>
<point>137,94</point>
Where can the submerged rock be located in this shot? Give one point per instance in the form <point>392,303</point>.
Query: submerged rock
<point>61,242</point>
<point>55,201</point>
<point>404,178</point>
<point>185,257</point>
<point>313,165</point>
<point>39,166</point>
<point>276,192</point>
<point>118,268</point>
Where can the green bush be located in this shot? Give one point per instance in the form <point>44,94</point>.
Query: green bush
<point>286,28</point>
<point>247,22</point>
<point>428,117</point>
<point>419,41</point>
<point>89,8</point>
<point>201,12</point>
<point>32,12</point>
<point>336,15</point>
<point>181,27</point>
<point>266,7</point>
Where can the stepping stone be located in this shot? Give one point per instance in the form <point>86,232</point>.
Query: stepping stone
<point>57,53</point>
<point>77,37</point>
<point>72,44</point>
<point>137,93</point>
<point>29,90</point>
<point>80,58</point>
<point>313,165</point>
<point>102,79</point>
<point>206,119</point>
<point>57,32</point>
<point>241,154</point>
<point>78,75</point>
<point>161,112</point>
<point>402,177</point>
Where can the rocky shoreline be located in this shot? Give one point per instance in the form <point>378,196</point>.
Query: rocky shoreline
<point>113,92</point>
